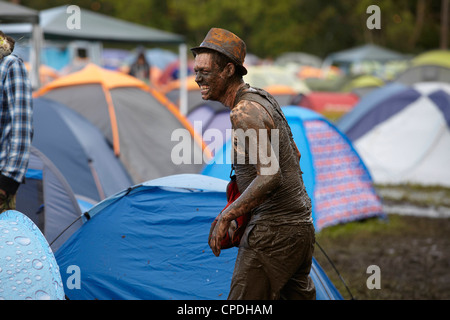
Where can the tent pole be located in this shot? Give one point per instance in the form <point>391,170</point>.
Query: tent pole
<point>183,79</point>
<point>35,56</point>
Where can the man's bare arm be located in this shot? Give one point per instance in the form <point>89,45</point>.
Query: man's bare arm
<point>246,116</point>
<point>250,115</point>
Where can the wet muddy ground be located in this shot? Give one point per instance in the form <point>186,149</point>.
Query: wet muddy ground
<point>411,250</point>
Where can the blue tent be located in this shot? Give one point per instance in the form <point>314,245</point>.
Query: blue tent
<point>28,269</point>
<point>78,149</point>
<point>48,200</point>
<point>150,242</point>
<point>336,179</point>
<point>351,123</point>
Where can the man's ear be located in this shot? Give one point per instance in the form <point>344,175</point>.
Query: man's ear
<point>230,69</point>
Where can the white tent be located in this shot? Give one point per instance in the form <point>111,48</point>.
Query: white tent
<point>404,137</point>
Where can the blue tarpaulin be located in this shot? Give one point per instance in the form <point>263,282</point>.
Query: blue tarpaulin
<point>151,242</point>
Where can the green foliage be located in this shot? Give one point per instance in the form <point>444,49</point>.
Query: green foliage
<point>271,27</point>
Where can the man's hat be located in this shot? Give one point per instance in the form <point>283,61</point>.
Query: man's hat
<point>227,43</point>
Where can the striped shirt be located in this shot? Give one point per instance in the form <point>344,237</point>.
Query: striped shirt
<point>16,127</point>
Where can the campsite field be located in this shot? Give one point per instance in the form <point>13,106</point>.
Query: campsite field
<point>411,251</point>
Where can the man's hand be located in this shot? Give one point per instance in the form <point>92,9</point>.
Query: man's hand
<point>218,231</point>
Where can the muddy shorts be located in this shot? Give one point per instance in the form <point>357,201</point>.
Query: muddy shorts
<point>274,262</point>
<point>7,202</point>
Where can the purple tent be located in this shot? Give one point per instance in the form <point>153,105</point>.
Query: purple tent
<point>210,115</point>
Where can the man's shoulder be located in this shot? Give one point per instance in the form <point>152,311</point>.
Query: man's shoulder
<point>12,63</point>
<point>245,106</point>
<point>251,113</point>
<point>256,93</point>
<point>10,60</point>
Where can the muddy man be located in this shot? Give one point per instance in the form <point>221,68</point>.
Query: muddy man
<point>275,252</point>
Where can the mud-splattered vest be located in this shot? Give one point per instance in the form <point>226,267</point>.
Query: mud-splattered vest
<point>289,203</point>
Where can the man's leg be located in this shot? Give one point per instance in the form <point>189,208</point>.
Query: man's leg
<point>272,258</point>
<point>300,286</point>
<point>249,280</point>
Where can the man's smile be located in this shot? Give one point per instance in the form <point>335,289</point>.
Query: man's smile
<point>204,89</point>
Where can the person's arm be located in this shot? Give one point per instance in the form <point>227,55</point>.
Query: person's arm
<point>251,116</point>
<point>17,92</point>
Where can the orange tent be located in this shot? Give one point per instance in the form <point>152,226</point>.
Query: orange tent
<point>136,120</point>
<point>282,93</point>
<point>46,73</point>
<point>172,92</point>
<point>312,72</point>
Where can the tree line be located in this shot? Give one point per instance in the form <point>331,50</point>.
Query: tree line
<point>271,27</point>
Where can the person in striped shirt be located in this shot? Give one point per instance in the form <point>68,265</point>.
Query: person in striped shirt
<point>16,126</point>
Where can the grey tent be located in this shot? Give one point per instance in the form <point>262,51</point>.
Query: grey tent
<point>98,27</point>
<point>13,13</point>
<point>367,52</point>
<point>425,73</point>
<point>79,150</point>
<point>58,24</point>
<point>140,123</point>
<point>430,66</point>
<point>300,58</point>
<point>10,12</point>
<point>48,200</point>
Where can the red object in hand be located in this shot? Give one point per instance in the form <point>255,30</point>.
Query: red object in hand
<point>233,236</point>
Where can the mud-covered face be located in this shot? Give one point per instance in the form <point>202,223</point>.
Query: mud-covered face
<point>211,80</point>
